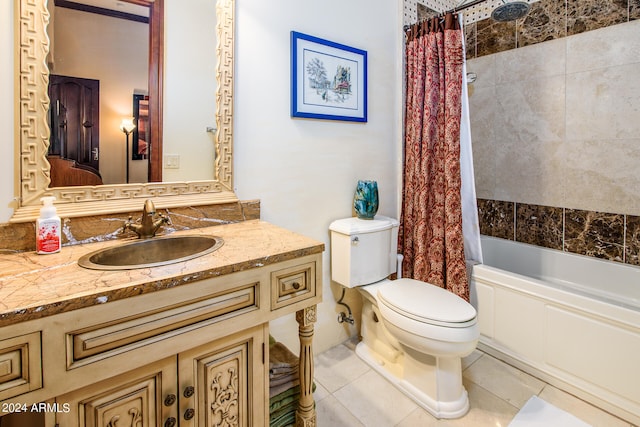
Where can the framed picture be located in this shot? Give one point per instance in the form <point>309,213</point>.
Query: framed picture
<point>328,80</point>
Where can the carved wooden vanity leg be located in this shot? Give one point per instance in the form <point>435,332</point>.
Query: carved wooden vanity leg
<point>306,413</point>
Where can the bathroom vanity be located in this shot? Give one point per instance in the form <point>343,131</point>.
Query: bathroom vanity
<point>184,344</point>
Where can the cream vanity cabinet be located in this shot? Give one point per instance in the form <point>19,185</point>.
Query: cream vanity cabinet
<point>209,385</point>
<point>187,346</point>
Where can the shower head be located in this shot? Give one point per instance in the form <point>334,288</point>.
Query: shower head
<point>510,11</point>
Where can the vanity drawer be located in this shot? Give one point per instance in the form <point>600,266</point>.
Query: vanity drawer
<point>20,365</point>
<point>107,339</point>
<point>292,284</point>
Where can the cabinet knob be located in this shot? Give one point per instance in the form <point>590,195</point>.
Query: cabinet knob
<point>170,422</point>
<point>296,285</point>
<point>170,400</point>
<point>189,413</point>
<point>188,391</point>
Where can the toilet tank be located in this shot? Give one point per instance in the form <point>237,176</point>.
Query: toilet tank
<point>363,251</point>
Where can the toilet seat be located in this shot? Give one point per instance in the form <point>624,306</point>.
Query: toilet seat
<point>426,303</point>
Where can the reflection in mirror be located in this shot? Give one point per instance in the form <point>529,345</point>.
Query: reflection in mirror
<point>102,57</point>
<point>33,132</point>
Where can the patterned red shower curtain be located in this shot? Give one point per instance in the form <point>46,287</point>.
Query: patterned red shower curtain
<point>430,236</point>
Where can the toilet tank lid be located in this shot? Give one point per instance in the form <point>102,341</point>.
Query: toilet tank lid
<point>354,225</point>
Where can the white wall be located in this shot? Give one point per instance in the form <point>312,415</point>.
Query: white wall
<point>6,110</point>
<point>305,171</point>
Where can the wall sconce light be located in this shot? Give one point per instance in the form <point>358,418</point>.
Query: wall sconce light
<point>127,127</point>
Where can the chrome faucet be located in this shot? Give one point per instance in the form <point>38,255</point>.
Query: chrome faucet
<point>148,226</point>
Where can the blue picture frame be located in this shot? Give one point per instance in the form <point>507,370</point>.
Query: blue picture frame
<point>328,80</point>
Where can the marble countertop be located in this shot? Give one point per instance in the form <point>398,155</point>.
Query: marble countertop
<point>33,286</point>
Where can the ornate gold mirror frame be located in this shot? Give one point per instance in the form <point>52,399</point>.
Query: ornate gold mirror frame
<point>32,132</point>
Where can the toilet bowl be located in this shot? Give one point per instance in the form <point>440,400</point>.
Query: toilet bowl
<point>413,333</point>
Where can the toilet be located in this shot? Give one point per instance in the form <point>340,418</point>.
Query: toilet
<point>413,333</point>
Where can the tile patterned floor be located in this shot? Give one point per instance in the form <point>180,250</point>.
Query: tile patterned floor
<point>350,394</point>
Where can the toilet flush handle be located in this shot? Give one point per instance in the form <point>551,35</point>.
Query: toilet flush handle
<point>355,240</point>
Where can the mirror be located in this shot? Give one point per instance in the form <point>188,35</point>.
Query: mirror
<point>32,131</point>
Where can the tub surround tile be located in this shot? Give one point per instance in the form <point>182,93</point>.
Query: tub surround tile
<point>590,15</point>
<point>595,234</point>
<point>521,171</point>
<point>539,225</point>
<point>528,112</point>
<point>610,236</point>
<point>496,218</point>
<point>604,103</point>
<point>531,64</point>
<point>600,174</point>
<point>634,10</point>
<point>632,240</point>
<point>493,37</point>
<point>547,20</point>
<point>485,68</point>
<point>470,36</point>
<point>607,47</point>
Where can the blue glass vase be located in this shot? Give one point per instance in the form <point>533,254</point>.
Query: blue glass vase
<point>365,201</point>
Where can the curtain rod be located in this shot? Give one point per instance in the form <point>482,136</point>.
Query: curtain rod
<point>464,6</point>
<point>455,9</point>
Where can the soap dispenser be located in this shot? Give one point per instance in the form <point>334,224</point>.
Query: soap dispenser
<point>48,228</point>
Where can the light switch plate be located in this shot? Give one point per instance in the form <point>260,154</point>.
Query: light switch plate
<point>172,161</point>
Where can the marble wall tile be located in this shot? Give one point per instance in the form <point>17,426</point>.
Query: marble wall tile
<point>547,20</point>
<point>604,103</point>
<point>595,234</point>
<point>634,10</point>
<point>470,37</point>
<point>531,64</point>
<point>607,47</point>
<point>528,130</point>
<point>632,240</point>
<point>550,20</point>
<point>496,218</point>
<point>539,225</point>
<point>599,174</point>
<point>585,16</point>
<point>531,111</point>
<point>493,37</point>
<point>485,68</point>
<point>482,135</point>
<point>609,236</point>
<point>529,172</point>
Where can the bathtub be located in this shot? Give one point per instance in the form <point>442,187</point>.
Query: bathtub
<point>571,320</point>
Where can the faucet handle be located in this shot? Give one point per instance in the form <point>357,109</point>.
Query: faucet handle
<point>127,224</point>
<point>165,218</point>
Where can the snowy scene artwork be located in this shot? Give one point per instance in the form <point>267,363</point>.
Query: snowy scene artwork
<point>328,80</point>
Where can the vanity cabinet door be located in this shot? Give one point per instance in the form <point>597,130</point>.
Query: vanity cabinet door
<point>145,397</point>
<point>224,383</point>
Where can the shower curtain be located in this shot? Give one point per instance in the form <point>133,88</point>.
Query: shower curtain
<point>431,230</point>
